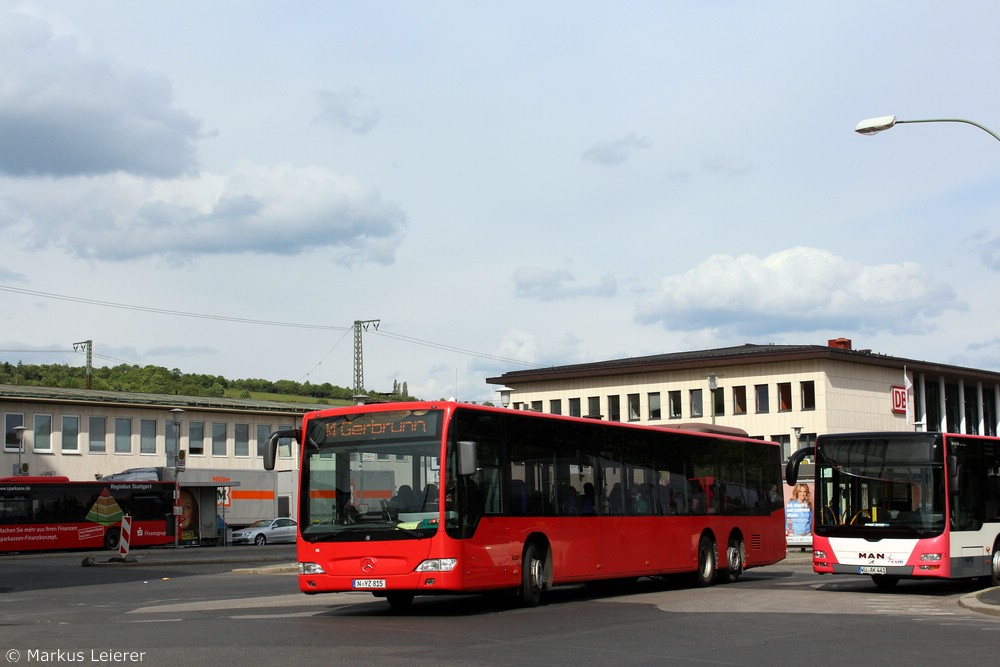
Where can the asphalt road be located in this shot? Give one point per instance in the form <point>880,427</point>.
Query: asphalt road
<point>234,606</point>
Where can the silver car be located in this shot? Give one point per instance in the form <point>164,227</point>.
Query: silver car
<point>266,531</point>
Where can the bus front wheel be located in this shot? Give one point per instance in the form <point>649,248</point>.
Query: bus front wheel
<point>885,581</point>
<point>399,601</point>
<point>705,575</point>
<point>531,577</point>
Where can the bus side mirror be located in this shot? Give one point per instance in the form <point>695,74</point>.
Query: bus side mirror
<point>271,450</point>
<point>953,475</point>
<point>467,460</point>
<point>792,467</point>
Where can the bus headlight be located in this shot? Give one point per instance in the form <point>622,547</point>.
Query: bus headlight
<point>819,554</point>
<point>438,565</point>
<point>934,557</point>
<point>311,568</point>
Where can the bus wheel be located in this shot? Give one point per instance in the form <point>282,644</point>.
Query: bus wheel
<point>995,566</point>
<point>399,601</point>
<point>112,539</point>
<point>705,576</point>
<point>736,558</point>
<point>531,577</point>
<point>885,581</point>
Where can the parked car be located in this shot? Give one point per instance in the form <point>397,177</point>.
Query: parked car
<point>266,531</point>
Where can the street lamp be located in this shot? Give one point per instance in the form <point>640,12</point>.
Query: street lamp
<point>19,434</point>
<point>713,385</point>
<point>875,125</point>
<point>505,396</point>
<point>797,432</point>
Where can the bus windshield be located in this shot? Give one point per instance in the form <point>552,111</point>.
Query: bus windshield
<point>371,476</point>
<point>880,487</point>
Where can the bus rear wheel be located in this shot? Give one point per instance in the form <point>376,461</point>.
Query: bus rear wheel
<point>112,539</point>
<point>531,577</point>
<point>736,558</point>
<point>995,566</point>
<point>705,575</point>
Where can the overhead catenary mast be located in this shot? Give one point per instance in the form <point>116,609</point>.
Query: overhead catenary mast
<point>359,361</point>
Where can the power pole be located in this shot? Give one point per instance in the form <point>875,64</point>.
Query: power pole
<point>88,346</point>
<point>359,360</point>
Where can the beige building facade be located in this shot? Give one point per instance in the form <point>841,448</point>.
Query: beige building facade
<point>785,393</point>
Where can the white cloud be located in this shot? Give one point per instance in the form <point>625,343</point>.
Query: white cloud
<point>279,210</point>
<point>799,289</point>
<point>347,109</point>
<point>65,112</point>
<point>616,151</point>
<point>543,284</point>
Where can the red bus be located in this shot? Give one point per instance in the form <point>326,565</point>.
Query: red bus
<point>53,513</point>
<point>406,499</point>
<point>903,505</point>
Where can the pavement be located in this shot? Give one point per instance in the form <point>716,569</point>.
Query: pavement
<point>281,559</point>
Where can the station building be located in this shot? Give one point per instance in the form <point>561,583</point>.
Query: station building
<point>784,393</point>
<point>216,442</point>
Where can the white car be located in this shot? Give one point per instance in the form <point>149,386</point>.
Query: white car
<point>266,531</point>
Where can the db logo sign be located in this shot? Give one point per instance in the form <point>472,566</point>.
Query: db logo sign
<point>899,398</point>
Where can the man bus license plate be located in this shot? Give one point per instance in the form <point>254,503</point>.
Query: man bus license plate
<point>871,569</point>
<point>374,583</point>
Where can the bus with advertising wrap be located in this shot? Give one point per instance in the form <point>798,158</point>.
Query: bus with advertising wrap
<point>905,505</point>
<point>408,499</point>
<point>56,514</point>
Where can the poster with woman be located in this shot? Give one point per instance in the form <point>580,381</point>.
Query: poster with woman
<point>798,515</point>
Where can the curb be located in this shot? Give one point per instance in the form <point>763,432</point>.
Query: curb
<point>973,603</point>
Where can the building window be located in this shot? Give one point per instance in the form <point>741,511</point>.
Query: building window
<point>808,395</point>
<point>594,406</point>
<point>285,444</point>
<point>654,406</point>
<point>536,406</point>
<point>11,420</point>
<point>761,398</point>
<point>147,436</point>
<point>241,440</point>
<point>718,402</point>
<point>633,407</point>
<point>123,435</point>
<point>42,441</point>
<point>784,397</point>
<point>574,408</point>
<point>786,445</point>
<point>614,408</point>
<point>263,430</point>
<point>555,406</point>
<point>697,410</point>
<point>98,435</point>
<point>196,438</point>
<point>70,434</point>
<point>219,436</point>
<point>739,400</point>
<point>674,404</point>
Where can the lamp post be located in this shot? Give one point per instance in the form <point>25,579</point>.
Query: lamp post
<point>713,385</point>
<point>173,460</point>
<point>871,126</point>
<point>19,434</point>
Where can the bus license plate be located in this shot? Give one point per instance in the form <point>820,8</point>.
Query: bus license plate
<point>369,583</point>
<point>871,569</point>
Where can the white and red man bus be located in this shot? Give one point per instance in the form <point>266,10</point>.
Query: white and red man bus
<point>407,499</point>
<point>905,505</point>
<point>54,513</point>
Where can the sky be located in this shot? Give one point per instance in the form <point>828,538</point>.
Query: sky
<point>227,187</point>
